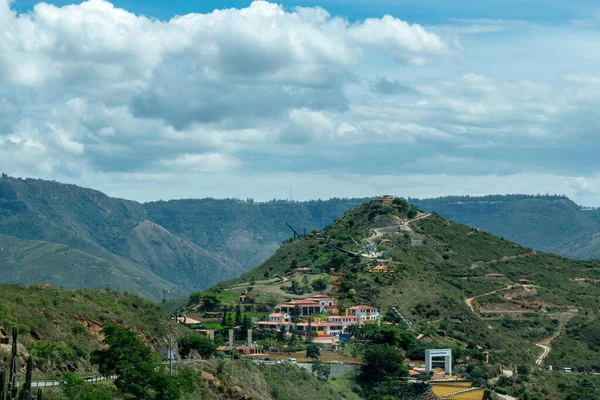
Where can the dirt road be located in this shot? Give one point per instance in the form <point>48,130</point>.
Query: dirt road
<point>545,344</point>
<point>470,300</point>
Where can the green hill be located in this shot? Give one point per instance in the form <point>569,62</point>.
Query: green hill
<point>245,231</point>
<point>77,237</point>
<point>440,282</point>
<point>549,223</point>
<point>60,329</point>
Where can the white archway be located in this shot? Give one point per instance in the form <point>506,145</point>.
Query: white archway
<point>439,353</point>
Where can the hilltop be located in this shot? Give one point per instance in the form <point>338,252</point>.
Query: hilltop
<point>453,285</point>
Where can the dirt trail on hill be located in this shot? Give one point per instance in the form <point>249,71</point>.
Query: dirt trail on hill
<point>470,300</point>
<point>545,344</point>
<point>404,226</point>
<point>505,258</point>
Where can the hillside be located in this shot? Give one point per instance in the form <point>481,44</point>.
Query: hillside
<point>57,324</point>
<point>110,243</point>
<point>440,281</point>
<point>549,223</point>
<point>245,231</point>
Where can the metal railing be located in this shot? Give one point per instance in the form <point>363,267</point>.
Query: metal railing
<point>39,383</point>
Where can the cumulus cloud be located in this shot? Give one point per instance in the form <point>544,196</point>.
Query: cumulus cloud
<point>95,93</point>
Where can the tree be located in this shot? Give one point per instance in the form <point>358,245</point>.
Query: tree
<point>296,288</point>
<point>210,300</point>
<point>281,334</point>
<point>238,315</point>
<point>73,387</point>
<point>194,341</point>
<point>293,264</point>
<point>382,362</point>
<point>412,213</point>
<point>296,314</point>
<point>407,340</point>
<point>195,298</point>
<point>319,284</point>
<point>246,324</point>
<point>224,319</point>
<point>127,357</point>
<point>313,351</point>
<point>321,370</point>
<point>351,293</point>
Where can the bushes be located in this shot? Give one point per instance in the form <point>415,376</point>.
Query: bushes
<point>194,341</point>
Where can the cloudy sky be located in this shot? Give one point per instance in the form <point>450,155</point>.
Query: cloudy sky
<point>151,100</point>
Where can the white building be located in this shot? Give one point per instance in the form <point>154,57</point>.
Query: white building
<point>364,313</point>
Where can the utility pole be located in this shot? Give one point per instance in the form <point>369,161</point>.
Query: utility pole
<point>170,355</point>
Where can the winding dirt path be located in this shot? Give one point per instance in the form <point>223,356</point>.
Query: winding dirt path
<point>379,232</point>
<point>546,343</point>
<point>469,301</point>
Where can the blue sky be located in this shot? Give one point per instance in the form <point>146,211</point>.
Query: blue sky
<point>332,98</point>
<point>418,11</point>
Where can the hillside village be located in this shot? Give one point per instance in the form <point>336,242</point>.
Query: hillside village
<point>391,301</point>
<point>337,321</point>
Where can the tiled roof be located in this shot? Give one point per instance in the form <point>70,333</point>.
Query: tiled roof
<point>362,308</point>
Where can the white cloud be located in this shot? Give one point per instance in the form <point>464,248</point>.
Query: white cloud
<point>211,162</point>
<point>93,93</point>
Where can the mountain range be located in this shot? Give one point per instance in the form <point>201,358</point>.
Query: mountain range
<point>76,237</point>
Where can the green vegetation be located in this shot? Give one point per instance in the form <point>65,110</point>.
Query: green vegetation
<point>57,324</point>
<point>549,223</point>
<point>437,266</point>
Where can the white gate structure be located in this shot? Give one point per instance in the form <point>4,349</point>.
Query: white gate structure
<point>439,353</point>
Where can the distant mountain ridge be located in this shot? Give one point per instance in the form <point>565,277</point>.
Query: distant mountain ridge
<point>77,237</point>
<point>554,224</point>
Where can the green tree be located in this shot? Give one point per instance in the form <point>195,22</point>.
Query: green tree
<point>210,301</point>
<point>73,387</point>
<point>246,324</point>
<point>195,298</point>
<point>166,387</point>
<point>407,340</point>
<point>127,357</point>
<point>224,319</point>
<point>319,284</point>
<point>194,341</point>
<point>296,288</point>
<point>383,362</point>
<point>412,213</point>
<point>296,314</point>
<point>281,334</point>
<point>238,315</point>
<point>312,351</point>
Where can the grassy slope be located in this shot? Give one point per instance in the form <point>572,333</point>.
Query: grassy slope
<point>549,223</point>
<point>114,230</point>
<point>248,233</point>
<point>29,261</point>
<point>267,382</point>
<point>57,324</point>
